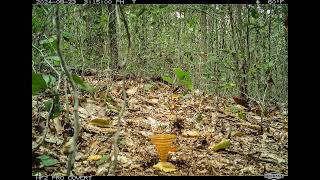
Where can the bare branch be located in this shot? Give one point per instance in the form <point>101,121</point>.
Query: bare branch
<point>115,148</point>
<point>73,148</point>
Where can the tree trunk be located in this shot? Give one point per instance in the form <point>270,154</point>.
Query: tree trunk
<point>113,38</point>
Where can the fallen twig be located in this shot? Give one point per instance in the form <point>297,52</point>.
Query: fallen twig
<point>115,148</point>
<point>45,130</point>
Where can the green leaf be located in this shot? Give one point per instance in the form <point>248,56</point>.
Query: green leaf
<point>228,86</point>
<point>141,11</point>
<point>47,105</point>
<point>66,35</point>
<point>191,23</point>
<point>189,85</point>
<point>38,83</point>
<point>102,160</point>
<point>55,60</point>
<point>57,109</point>
<point>82,85</point>
<point>47,161</point>
<point>254,13</point>
<point>168,79</point>
<point>50,80</point>
<point>242,115</point>
<point>234,109</point>
<point>162,6</point>
<point>225,143</point>
<point>50,40</point>
<point>180,73</point>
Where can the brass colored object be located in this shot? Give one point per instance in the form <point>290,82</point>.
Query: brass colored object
<point>163,144</point>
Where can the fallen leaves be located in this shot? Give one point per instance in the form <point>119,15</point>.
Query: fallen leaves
<point>57,125</point>
<point>225,143</point>
<point>153,101</point>
<point>132,91</point>
<point>148,114</point>
<point>66,147</point>
<point>190,133</point>
<point>165,167</point>
<point>100,122</point>
<point>94,157</point>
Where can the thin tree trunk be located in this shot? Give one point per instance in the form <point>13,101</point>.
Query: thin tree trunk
<point>113,38</point>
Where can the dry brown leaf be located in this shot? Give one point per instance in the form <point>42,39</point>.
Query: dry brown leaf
<point>92,109</point>
<point>175,97</point>
<point>189,133</point>
<point>94,129</point>
<point>197,93</point>
<point>52,138</point>
<point>94,157</point>
<point>153,101</point>
<point>101,122</point>
<point>66,146</point>
<point>83,113</point>
<point>57,125</point>
<point>237,133</point>
<point>132,91</point>
<point>165,166</point>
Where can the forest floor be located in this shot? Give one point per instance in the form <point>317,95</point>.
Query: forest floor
<point>153,109</point>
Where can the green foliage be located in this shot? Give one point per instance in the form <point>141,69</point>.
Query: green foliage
<point>254,13</point>
<point>81,84</point>
<point>49,43</point>
<point>180,73</point>
<point>191,23</point>
<point>242,115</point>
<point>234,109</point>
<point>51,40</point>
<point>47,161</point>
<point>38,83</point>
<point>66,35</point>
<point>163,6</point>
<point>55,60</point>
<point>35,25</point>
<point>103,159</point>
<point>168,79</point>
<point>141,11</point>
<point>268,66</point>
<point>57,109</point>
<point>223,144</point>
<point>162,31</point>
<point>228,86</point>
<point>50,80</point>
<point>47,104</point>
<point>183,78</point>
<point>252,71</point>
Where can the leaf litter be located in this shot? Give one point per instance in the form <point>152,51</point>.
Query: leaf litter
<point>209,141</point>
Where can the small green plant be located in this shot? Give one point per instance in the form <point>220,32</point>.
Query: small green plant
<point>182,78</point>
<point>38,83</point>
<point>46,161</point>
<point>43,82</point>
<point>227,86</point>
<point>242,115</point>
<point>82,84</point>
